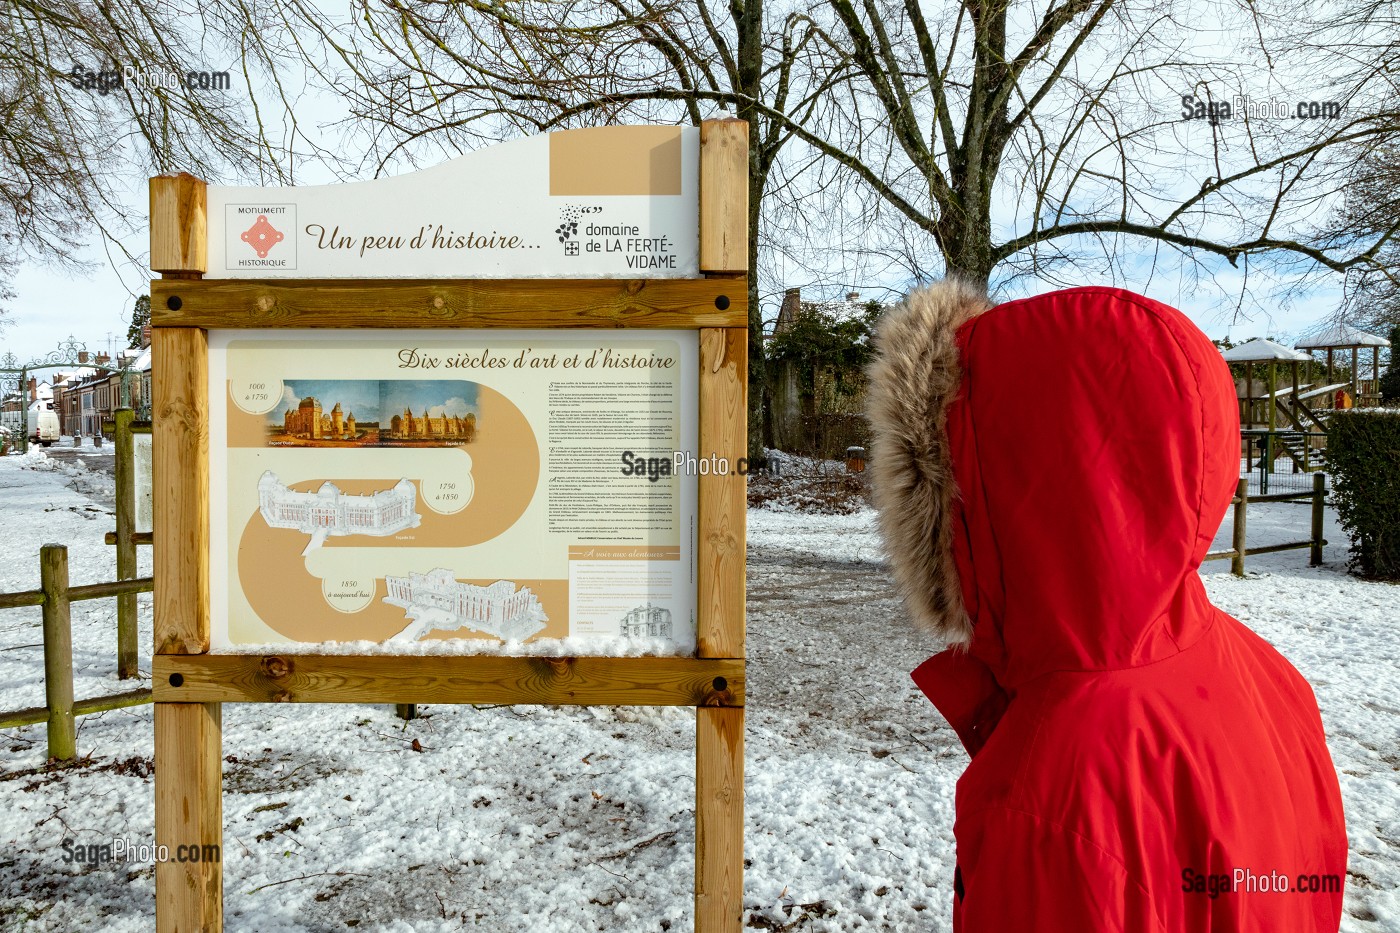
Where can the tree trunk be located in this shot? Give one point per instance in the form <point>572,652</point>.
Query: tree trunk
<point>748,22</point>
<point>965,239</point>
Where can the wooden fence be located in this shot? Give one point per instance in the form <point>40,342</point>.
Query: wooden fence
<point>56,598</point>
<point>1315,542</point>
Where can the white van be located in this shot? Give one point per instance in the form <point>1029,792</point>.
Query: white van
<point>43,427</point>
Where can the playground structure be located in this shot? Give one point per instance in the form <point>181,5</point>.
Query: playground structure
<point>1342,337</point>
<point>1288,421</point>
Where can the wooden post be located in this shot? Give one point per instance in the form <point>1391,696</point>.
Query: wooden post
<point>719,735</point>
<point>180,489</point>
<point>406,711</point>
<point>189,811</point>
<point>719,819</point>
<point>1293,403</point>
<point>1247,402</point>
<point>719,731</point>
<point>1319,491</point>
<point>1266,463</point>
<point>1355,377</point>
<point>189,808</point>
<point>58,651</point>
<point>126,547</point>
<point>722,499</point>
<point>179,230</point>
<point>1273,400</point>
<point>189,738</point>
<point>1241,505</point>
<point>724,196</point>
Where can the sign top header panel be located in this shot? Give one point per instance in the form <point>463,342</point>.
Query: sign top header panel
<point>606,202</point>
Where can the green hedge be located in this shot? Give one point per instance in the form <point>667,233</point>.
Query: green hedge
<point>1363,456</point>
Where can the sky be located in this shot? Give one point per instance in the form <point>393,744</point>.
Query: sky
<point>453,397</point>
<point>358,397</point>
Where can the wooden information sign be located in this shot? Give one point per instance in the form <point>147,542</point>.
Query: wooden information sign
<point>353,386</point>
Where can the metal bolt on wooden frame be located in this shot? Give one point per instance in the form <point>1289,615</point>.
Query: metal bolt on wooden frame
<point>190,684</point>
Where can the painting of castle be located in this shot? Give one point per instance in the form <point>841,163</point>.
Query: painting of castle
<point>647,622</point>
<point>428,413</point>
<point>437,600</point>
<point>308,421</point>
<point>328,511</point>
<point>326,413</point>
<point>409,426</point>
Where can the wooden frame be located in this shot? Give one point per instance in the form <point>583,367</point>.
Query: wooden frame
<point>190,684</point>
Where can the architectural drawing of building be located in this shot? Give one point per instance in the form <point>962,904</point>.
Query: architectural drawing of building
<point>437,600</point>
<point>309,421</point>
<point>409,426</point>
<point>647,622</point>
<point>328,511</point>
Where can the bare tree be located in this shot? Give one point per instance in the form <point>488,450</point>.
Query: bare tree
<point>1032,137</point>
<point>1372,208</point>
<point>93,93</point>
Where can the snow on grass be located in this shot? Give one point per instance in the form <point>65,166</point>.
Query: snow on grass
<point>80,478</point>
<point>582,819</point>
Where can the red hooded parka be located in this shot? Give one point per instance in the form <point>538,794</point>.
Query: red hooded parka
<point>1050,473</point>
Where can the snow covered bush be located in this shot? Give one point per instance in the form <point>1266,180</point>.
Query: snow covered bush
<point>804,484</point>
<point>1363,454</point>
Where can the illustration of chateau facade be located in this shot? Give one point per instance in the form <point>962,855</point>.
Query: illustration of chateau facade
<point>409,426</point>
<point>328,511</point>
<point>309,421</point>
<point>647,622</point>
<point>437,600</point>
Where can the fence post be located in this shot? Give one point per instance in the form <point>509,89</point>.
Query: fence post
<point>1241,504</point>
<point>58,651</point>
<point>126,547</point>
<point>406,711</point>
<point>1319,490</point>
<point>1267,463</point>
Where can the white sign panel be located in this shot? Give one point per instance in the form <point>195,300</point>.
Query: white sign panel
<point>499,486</point>
<point>608,202</point>
<point>142,460</point>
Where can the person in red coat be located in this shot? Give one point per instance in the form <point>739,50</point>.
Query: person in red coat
<point>1050,473</point>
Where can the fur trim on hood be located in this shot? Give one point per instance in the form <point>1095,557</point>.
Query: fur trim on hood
<point>915,374</point>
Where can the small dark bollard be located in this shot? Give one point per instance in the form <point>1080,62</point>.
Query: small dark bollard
<point>855,459</point>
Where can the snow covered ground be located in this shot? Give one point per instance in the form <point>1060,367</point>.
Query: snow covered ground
<point>538,819</point>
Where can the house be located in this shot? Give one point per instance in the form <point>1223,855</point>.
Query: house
<point>87,398</point>
<point>817,352</point>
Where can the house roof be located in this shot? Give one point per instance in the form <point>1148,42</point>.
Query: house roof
<point>1261,349</point>
<point>142,362</point>
<point>1341,335</point>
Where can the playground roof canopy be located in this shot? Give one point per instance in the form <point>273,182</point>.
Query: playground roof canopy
<point>1263,350</point>
<point>1341,336</point>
